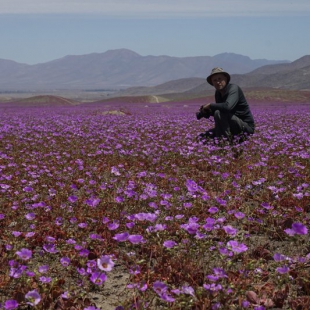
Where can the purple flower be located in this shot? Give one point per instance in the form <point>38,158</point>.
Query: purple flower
<point>119,199</point>
<point>239,215</point>
<point>70,241</point>
<point>95,237</point>
<point>266,206</point>
<point>245,304</point>
<point>114,225</point>
<point>187,204</point>
<point>91,308</point>
<point>164,296</point>
<point>213,210</point>
<point>98,278</point>
<point>84,252</point>
<point>81,271</point>
<point>30,234</point>
<point>188,290</point>
<point>92,264</point>
<point>216,306</point>
<point>225,252</point>
<point>218,273</point>
<point>8,247</point>
<point>27,189</point>
<point>136,239</point>
<point>221,202</point>
<point>191,227</point>
<point>230,230</point>
<point>10,304</point>
<point>50,248</point>
<point>153,205</point>
<point>24,254</point>
<point>16,272</point>
<point>65,261</point>
<point>16,233</point>
<point>73,220</point>
<point>279,257</point>
<point>50,239</point>
<point>45,279</point>
<point>300,229</point>
<point>121,237</point>
<point>236,247</point>
<point>105,263</point>
<point>135,270</point>
<point>297,228</point>
<point>59,221</point>
<point>213,287</point>
<point>30,274</point>
<point>283,269</point>
<point>142,287</point>
<point>93,203</point>
<point>43,269</point>
<point>160,227</point>
<point>33,298</point>
<point>72,199</point>
<point>65,295</point>
<point>289,232</point>
<point>169,244</point>
<point>178,217</point>
<point>191,186</point>
<point>159,287</point>
<point>30,216</point>
<point>212,277</point>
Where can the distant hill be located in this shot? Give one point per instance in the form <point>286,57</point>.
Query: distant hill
<point>42,100</point>
<point>118,69</point>
<point>294,76</point>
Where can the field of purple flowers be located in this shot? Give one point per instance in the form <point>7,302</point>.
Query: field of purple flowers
<point>188,225</point>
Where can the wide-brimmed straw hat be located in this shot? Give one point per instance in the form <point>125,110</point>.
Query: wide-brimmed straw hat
<point>216,71</point>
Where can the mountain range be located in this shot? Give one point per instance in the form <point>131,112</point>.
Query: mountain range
<point>122,68</point>
<point>289,76</point>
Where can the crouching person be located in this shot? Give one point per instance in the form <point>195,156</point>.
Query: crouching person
<point>231,112</point>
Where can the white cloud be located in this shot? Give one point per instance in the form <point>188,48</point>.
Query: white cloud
<point>158,8</point>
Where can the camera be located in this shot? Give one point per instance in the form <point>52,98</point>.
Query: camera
<point>203,113</point>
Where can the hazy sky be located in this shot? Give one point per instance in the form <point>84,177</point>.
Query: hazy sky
<point>36,31</point>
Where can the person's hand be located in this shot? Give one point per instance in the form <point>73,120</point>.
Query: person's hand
<point>206,107</point>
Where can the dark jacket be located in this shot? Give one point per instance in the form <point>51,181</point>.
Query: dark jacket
<point>233,101</point>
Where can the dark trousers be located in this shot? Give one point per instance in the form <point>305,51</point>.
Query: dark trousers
<point>228,125</point>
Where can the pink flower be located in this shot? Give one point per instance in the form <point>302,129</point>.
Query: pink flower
<point>105,263</point>
<point>33,298</point>
<point>98,278</point>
